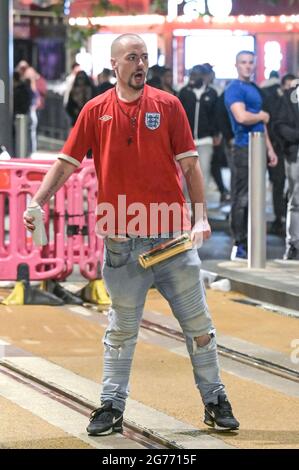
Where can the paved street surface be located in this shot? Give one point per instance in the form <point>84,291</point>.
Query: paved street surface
<point>51,361</point>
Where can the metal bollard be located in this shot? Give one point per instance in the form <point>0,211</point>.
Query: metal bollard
<point>257,201</point>
<point>21,125</point>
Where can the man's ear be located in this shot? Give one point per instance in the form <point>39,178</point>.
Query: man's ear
<point>113,63</point>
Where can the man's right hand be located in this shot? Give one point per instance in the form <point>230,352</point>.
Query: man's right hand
<point>54,179</point>
<point>29,220</point>
<point>265,117</point>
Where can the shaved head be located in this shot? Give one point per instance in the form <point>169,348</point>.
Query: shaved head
<point>121,42</point>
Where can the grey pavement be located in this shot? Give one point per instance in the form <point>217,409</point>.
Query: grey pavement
<point>277,284</point>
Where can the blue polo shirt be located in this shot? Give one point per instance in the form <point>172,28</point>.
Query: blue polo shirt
<point>243,92</point>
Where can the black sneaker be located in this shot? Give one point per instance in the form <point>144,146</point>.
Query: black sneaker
<point>220,416</point>
<point>105,420</point>
<point>291,253</point>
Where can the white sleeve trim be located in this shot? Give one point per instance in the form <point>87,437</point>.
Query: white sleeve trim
<point>69,159</point>
<point>189,153</point>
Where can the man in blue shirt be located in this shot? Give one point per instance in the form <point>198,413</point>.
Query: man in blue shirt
<point>244,105</point>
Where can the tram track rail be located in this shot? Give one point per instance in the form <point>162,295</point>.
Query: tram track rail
<point>253,361</point>
<point>145,437</point>
<point>237,356</point>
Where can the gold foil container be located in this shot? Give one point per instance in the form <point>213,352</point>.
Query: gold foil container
<point>165,250</point>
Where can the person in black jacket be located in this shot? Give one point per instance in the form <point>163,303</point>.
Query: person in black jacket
<point>22,97</point>
<point>104,83</point>
<point>272,96</point>
<point>82,91</point>
<point>287,126</point>
<point>167,81</point>
<point>222,148</point>
<point>199,101</point>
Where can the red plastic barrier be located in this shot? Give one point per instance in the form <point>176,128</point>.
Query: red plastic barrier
<point>70,223</point>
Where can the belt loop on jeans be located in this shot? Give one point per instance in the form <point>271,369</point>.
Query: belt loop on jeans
<point>133,242</point>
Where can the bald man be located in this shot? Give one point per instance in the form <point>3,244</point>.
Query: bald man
<point>137,134</point>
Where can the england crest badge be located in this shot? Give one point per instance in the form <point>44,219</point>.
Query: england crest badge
<point>152,120</point>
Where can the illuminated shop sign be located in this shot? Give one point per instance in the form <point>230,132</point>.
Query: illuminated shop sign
<point>194,8</point>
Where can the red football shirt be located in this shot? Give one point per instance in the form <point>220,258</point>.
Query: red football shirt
<point>135,164</point>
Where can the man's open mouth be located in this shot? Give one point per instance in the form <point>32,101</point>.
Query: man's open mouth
<point>139,76</point>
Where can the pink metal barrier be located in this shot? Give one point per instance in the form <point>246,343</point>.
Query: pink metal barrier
<point>90,250</point>
<point>70,223</point>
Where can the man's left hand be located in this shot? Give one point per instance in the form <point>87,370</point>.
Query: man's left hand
<point>200,232</point>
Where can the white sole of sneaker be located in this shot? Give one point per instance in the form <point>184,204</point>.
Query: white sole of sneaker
<point>107,432</point>
<point>213,425</point>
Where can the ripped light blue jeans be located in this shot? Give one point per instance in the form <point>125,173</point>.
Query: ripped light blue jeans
<point>178,280</point>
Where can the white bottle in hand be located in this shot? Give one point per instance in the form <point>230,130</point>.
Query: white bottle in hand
<point>4,155</point>
<point>39,234</point>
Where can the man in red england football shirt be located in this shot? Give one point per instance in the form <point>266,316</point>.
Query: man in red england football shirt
<point>137,135</point>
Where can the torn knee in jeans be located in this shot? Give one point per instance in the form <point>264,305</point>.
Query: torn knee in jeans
<point>204,340</point>
<point>111,346</point>
<point>114,351</point>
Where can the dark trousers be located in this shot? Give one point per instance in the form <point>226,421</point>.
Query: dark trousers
<point>239,194</point>
<point>218,161</point>
<point>277,178</point>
